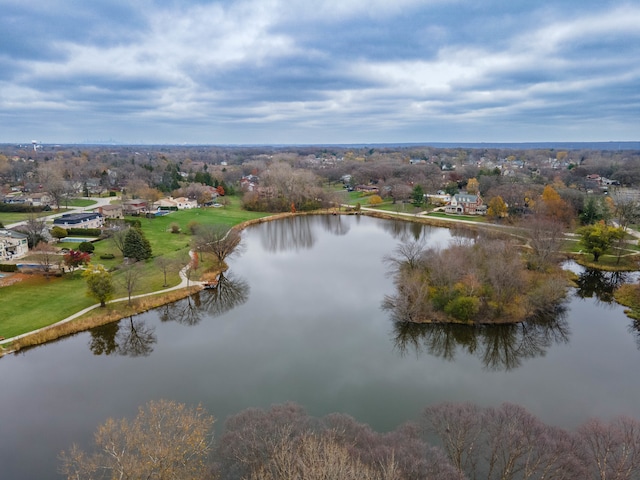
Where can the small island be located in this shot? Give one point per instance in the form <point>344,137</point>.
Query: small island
<point>473,281</point>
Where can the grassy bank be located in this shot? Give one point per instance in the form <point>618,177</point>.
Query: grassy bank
<point>37,302</point>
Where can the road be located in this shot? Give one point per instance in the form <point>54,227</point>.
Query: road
<point>99,203</point>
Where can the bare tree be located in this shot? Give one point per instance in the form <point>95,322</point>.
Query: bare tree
<point>166,440</point>
<point>545,237</point>
<point>166,266</point>
<point>218,240</point>
<point>118,235</point>
<point>611,451</point>
<point>130,279</point>
<point>50,178</point>
<point>408,254</point>
<point>34,228</point>
<point>46,256</point>
<point>505,443</point>
<point>627,209</point>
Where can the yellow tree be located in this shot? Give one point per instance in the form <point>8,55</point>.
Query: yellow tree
<point>554,207</point>
<point>166,440</point>
<point>473,186</point>
<point>497,207</point>
<point>375,200</point>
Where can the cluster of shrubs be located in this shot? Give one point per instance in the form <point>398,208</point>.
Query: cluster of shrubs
<point>8,267</point>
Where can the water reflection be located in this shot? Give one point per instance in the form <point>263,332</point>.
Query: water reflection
<point>187,311</point>
<point>297,233</point>
<point>335,224</point>
<point>405,231</point>
<point>634,329</point>
<point>230,292</point>
<point>133,338</point>
<point>130,337</point>
<point>500,347</point>
<point>600,285</point>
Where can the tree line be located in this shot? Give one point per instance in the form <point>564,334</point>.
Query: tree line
<point>450,441</point>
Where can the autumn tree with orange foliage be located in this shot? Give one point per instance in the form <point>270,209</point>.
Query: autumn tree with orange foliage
<point>554,207</point>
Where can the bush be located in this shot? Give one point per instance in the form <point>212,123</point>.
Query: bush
<point>8,267</point>
<point>175,228</point>
<point>192,226</point>
<point>107,256</point>
<point>85,232</point>
<point>375,200</point>
<point>59,232</point>
<point>86,247</point>
<point>463,308</point>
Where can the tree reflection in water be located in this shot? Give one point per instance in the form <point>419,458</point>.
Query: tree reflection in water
<point>187,311</point>
<point>132,337</point>
<point>406,231</point>
<point>128,337</point>
<point>230,292</point>
<point>599,284</point>
<point>293,233</point>
<point>500,347</point>
<point>634,329</point>
<point>335,224</point>
<point>297,233</point>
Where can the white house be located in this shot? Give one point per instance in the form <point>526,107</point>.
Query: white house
<point>179,203</point>
<point>13,245</point>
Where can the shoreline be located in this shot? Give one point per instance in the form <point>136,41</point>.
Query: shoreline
<point>147,301</point>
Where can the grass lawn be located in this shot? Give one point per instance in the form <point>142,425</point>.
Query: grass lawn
<point>469,218</point>
<point>13,217</point>
<point>80,202</point>
<point>37,302</point>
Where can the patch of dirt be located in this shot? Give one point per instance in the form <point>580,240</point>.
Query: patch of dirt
<point>12,278</point>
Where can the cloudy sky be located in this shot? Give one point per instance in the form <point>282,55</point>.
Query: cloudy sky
<point>319,71</point>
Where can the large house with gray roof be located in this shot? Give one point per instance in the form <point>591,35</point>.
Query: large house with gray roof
<point>79,220</point>
<point>466,204</point>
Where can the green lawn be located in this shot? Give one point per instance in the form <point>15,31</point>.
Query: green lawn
<point>469,218</point>
<point>80,202</point>
<point>38,302</point>
<point>13,217</point>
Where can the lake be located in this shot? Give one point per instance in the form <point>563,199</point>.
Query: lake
<point>298,318</point>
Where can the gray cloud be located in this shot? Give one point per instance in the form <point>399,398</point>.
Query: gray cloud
<point>295,71</point>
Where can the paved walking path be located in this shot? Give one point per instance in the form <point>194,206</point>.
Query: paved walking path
<point>184,283</point>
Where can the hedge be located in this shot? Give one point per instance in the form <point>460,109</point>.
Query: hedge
<point>86,232</point>
<point>19,208</point>
<point>8,267</point>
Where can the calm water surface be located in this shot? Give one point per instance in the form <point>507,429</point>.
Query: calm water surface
<point>298,318</point>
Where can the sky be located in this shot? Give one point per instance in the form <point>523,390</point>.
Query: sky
<point>319,71</point>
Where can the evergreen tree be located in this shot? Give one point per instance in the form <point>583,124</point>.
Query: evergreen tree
<point>136,245</point>
<point>417,195</point>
